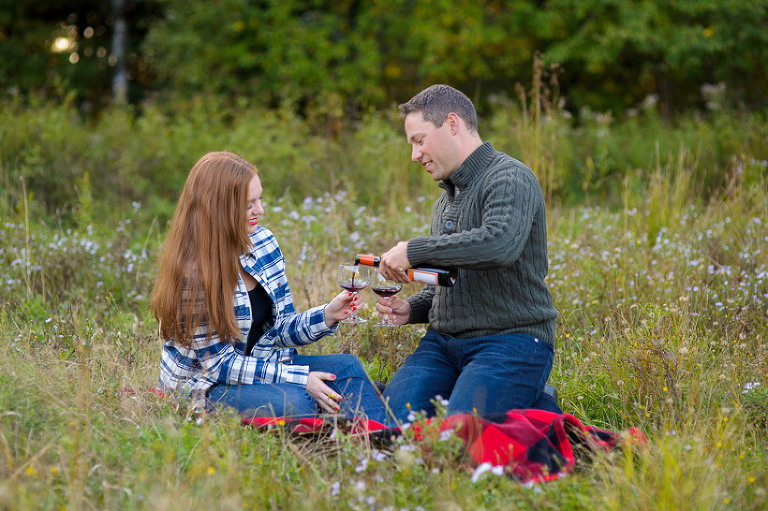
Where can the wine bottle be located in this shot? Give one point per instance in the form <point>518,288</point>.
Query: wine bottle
<point>432,275</point>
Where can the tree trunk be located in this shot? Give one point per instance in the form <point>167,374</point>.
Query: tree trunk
<point>119,43</point>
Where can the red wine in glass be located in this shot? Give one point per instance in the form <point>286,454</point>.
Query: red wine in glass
<point>352,288</point>
<point>386,289</point>
<point>353,278</point>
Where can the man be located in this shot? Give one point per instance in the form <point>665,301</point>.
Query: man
<point>490,343</point>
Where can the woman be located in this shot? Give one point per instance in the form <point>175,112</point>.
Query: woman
<point>225,310</point>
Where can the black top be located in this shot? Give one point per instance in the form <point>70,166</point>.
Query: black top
<point>261,311</point>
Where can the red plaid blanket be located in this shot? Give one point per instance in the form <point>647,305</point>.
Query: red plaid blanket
<point>530,445</point>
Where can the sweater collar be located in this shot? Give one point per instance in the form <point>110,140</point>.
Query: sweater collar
<point>475,164</point>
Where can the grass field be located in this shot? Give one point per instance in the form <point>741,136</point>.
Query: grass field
<point>663,327</point>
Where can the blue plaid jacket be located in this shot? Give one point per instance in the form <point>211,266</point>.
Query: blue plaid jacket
<point>215,360</point>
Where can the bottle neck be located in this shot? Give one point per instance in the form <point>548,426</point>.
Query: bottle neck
<point>368,260</point>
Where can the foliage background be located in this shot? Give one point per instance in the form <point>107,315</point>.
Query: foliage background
<point>343,58</point>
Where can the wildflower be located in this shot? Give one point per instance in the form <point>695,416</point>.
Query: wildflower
<point>335,489</point>
<point>362,466</point>
<point>378,455</point>
<point>446,435</point>
<point>487,467</point>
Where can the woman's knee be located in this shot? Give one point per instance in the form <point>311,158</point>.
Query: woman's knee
<point>347,366</point>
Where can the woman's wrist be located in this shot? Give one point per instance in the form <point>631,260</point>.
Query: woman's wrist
<point>329,321</point>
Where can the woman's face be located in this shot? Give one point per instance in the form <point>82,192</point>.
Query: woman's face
<point>255,210</point>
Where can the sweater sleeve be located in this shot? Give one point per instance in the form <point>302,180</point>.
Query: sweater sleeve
<point>420,303</point>
<point>507,201</point>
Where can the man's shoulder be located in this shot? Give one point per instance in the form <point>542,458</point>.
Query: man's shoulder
<point>505,161</point>
<point>504,166</point>
<point>508,172</point>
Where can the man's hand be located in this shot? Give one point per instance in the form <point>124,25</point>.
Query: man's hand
<point>395,308</point>
<point>394,263</point>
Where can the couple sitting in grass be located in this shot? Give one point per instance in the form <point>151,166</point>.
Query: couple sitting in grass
<point>225,310</point>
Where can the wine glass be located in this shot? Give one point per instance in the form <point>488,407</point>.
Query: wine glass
<point>384,287</point>
<point>353,278</point>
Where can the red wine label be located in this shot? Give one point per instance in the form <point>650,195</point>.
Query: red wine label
<point>422,276</point>
<point>367,259</point>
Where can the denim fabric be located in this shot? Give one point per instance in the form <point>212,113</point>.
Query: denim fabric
<point>293,400</point>
<point>485,375</point>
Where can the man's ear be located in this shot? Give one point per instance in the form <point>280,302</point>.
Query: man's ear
<point>454,122</point>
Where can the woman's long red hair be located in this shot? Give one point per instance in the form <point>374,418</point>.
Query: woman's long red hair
<point>199,265</point>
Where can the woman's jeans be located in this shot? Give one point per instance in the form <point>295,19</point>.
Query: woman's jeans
<point>293,400</point>
<point>485,375</point>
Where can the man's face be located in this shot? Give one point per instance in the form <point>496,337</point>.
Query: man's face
<point>433,147</point>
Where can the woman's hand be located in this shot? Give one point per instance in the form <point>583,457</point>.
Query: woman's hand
<point>326,398</point>
<point>341,307</point>
<point>395,308</point>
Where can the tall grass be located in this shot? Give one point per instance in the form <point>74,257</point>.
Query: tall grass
<point>658,267</point>
<point>143,156</point>
<point>662,327</point>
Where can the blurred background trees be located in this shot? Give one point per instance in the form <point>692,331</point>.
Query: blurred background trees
<point>107,103</point>
<point>347,57</point>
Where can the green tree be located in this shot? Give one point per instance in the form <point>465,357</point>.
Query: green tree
<point>617,52</point>
<point>344,58</point>
<point>307,54</point>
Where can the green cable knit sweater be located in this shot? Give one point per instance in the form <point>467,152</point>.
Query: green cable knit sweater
<point>490,223</point>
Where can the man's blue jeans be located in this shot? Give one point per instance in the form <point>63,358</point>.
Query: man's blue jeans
<point>293,400</point>
<point>484,375</point>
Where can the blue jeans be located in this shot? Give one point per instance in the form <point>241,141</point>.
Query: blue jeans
<point>484,375</point>
<point>293,400</point>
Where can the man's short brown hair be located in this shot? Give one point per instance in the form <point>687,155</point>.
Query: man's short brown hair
<point>437,101</point>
